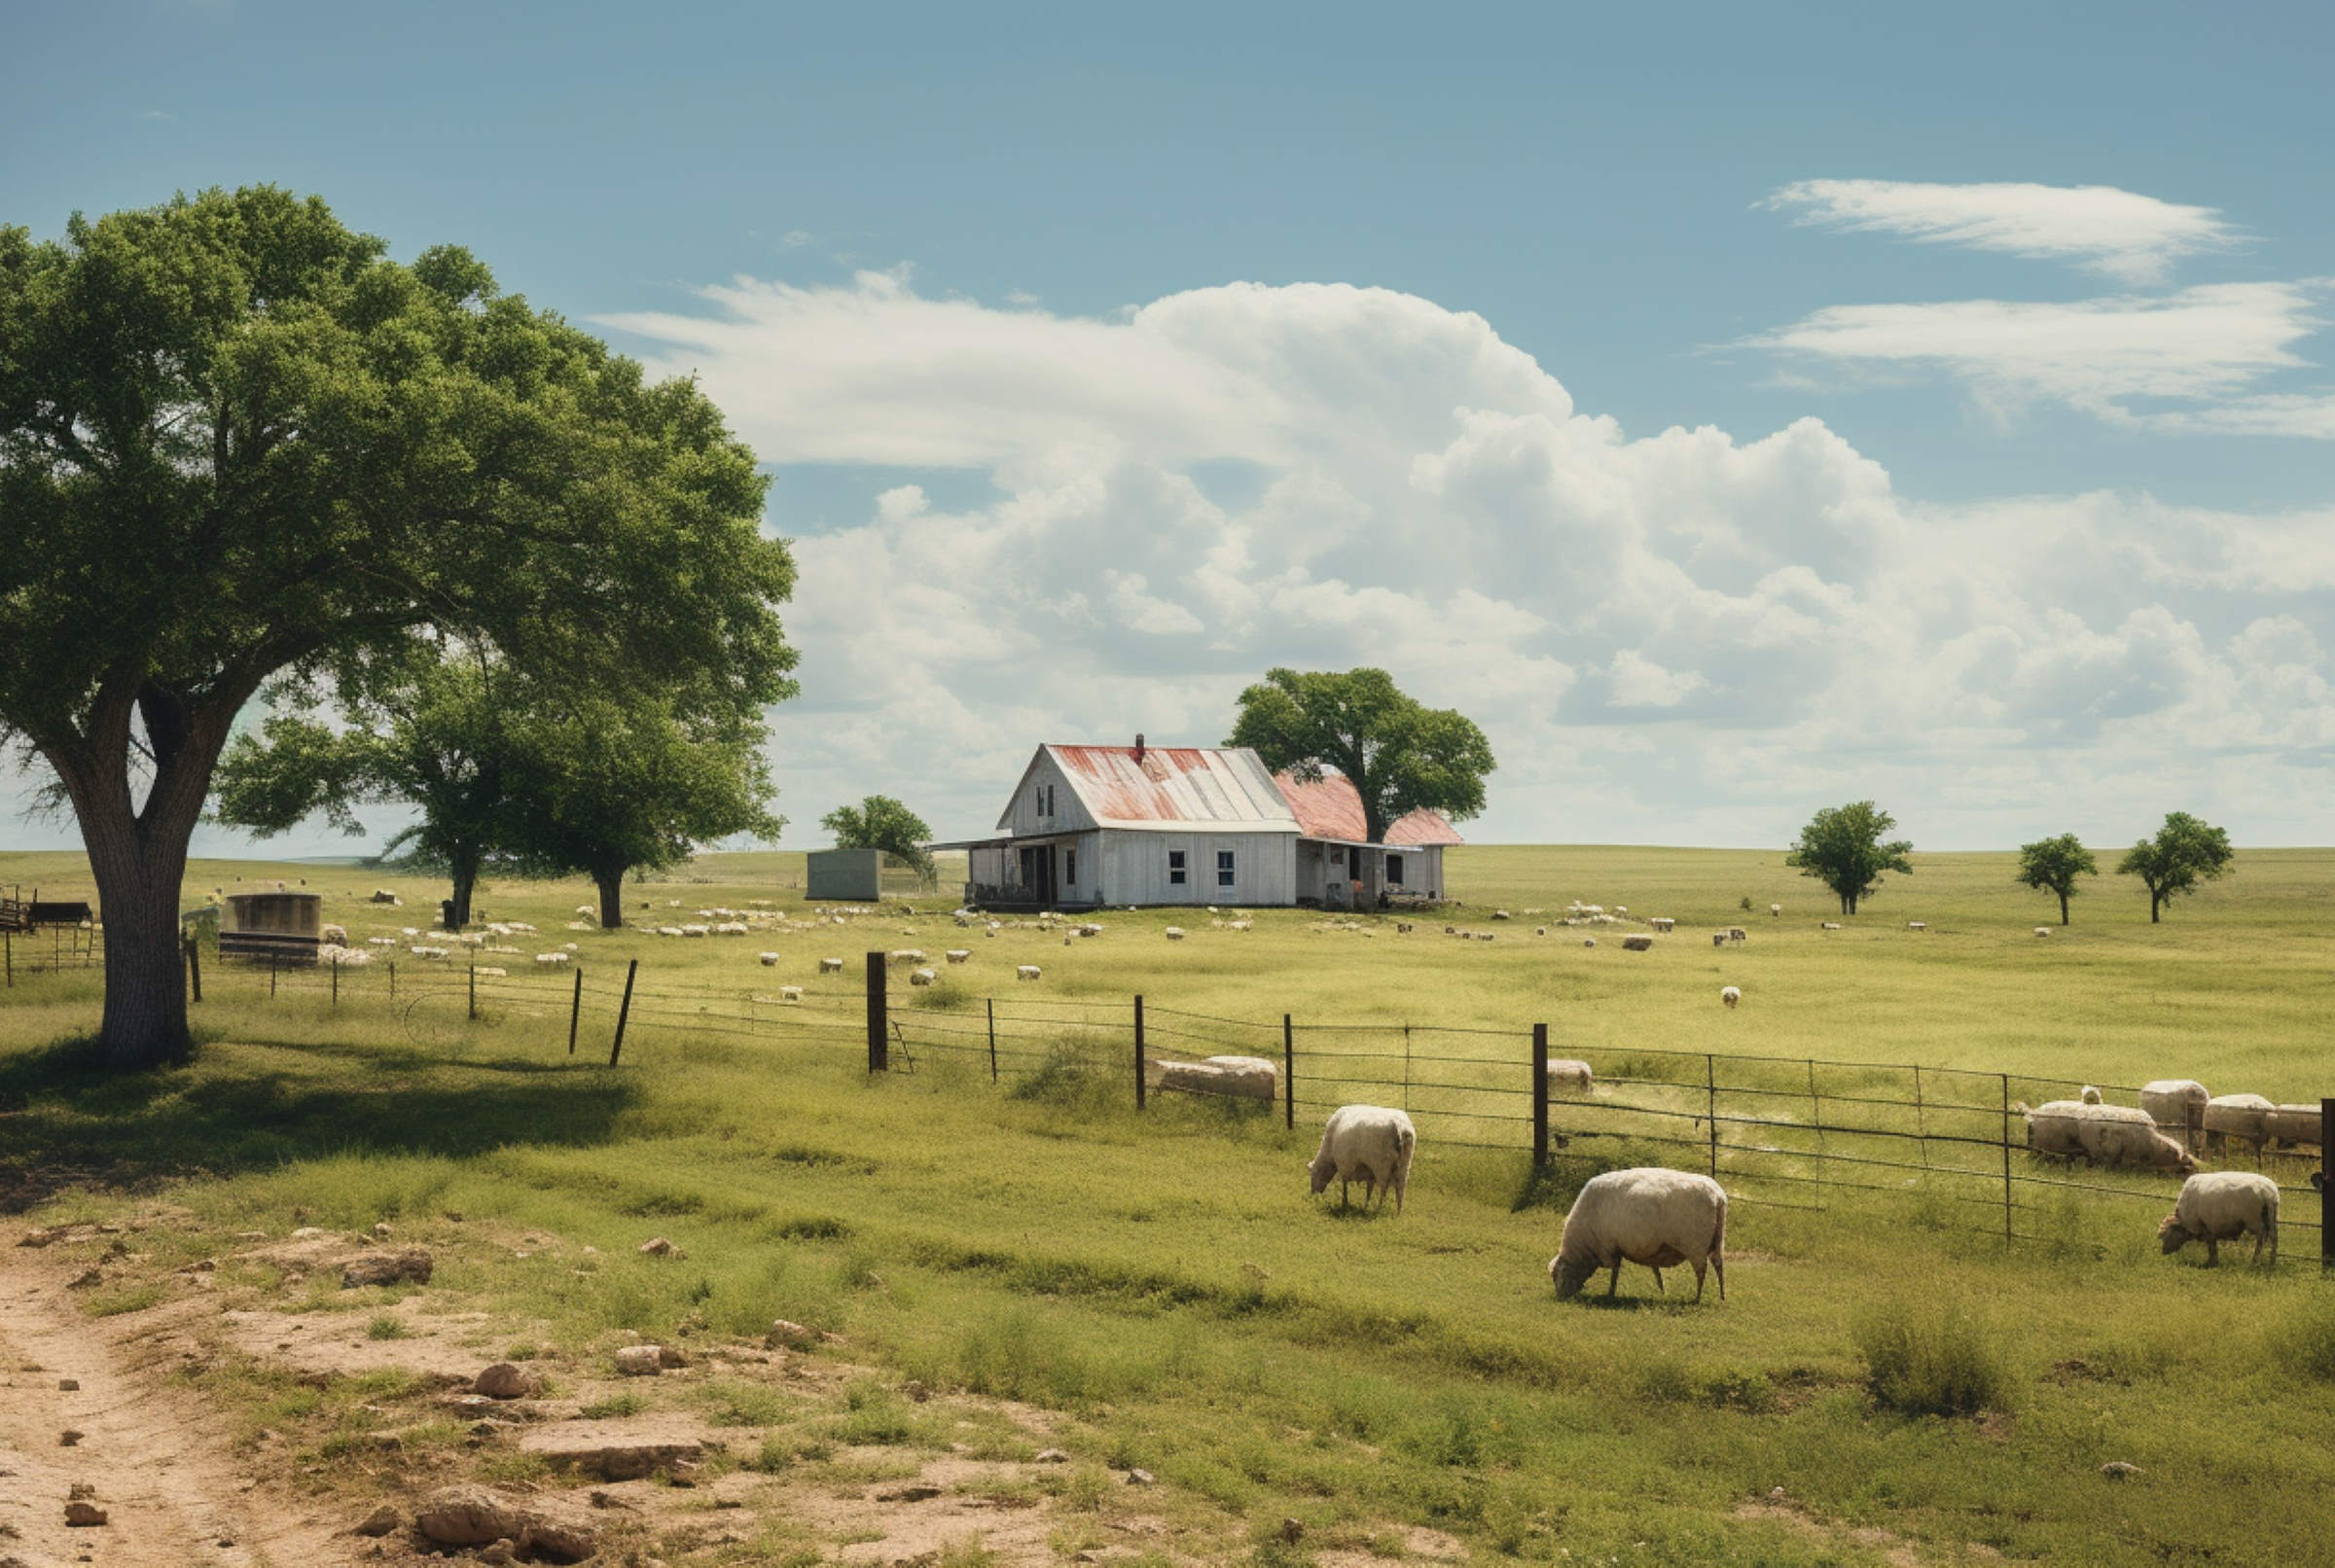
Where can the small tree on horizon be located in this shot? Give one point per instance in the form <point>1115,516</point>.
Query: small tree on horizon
<point>1400,755</point>
<point>879,822</point>
<point>2052,866</point>
<point>2186,851</point>
<point>1842,847</point>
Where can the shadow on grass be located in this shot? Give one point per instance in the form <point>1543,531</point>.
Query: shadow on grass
<point>64,1122</point>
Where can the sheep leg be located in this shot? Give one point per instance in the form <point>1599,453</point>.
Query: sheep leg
<point>1345,1191</point>
<point>1614,1286</point>
<point>1719,1267</point>
<point>2258,1247</point>
<point>1698,1280</point>
<point>1659,1285</point>
<point>2212,1252</point>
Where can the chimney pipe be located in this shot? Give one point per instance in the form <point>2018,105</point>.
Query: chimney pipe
<point>1138,746</point>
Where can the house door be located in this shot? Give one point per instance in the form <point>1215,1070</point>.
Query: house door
<point>1037,872</point>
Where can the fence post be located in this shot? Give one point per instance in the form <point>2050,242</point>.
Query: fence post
<point>392,979</point>
<point>1139,1085</point>
<point>2327,1143</point>
<point>9,957</point>
<point>272,977</point>
<point>1710,1107</point>
<point>195,967</point>
<point>2007,1155</point>
<point>1921,1124</point>
<point>991,1002</point>
<point>1540,1096</point>
<point>1290,1072</point>
<point>624,1011</point>
<point>1816,1119</point>
<point>474,990</point>
<point>878,1037</point>
<point>336,982</point>
<point>575,1011</point>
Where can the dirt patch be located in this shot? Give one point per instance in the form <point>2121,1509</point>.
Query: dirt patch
<point>1897,1551</point>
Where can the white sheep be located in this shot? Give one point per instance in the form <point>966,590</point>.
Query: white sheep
<point>2042,930</point>
<point>1027,972</point>
<point>923,977</point>
<point>769,960</point>
<point>1662,923</point>
<point>1650,1216</point>
<point>1638,942</point>
<point>2171,1101</point>
<point>1174,933</point>
<point>2238,1116</point>
<point>551,958</point>
<point>1569,1077</point>
<point>585,911</point>
<point>2221,1207</point>
<point>831,966</point>
<point>790,993</point>
<point>2103,1136</point>
<point>1776,909</point>
<point>1916,925</point>
<point>2291,1123</point>
<point>1828,925</point>
<point>2090,1095</point>
<point>1372,1143</point>
<point>1729,995</point>
<point>958,955</point>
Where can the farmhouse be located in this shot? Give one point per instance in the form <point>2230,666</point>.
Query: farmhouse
<point>1092,825</point>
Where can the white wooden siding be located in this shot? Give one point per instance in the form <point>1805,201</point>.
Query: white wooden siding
<point>1026,815</point>
<point>1135,868</point>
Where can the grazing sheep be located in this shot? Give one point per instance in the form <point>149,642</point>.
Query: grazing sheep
<point>2123,1135</point>
<point>1650,1216</point>
<point>1368,1142</point>
<point>1571,1077</point>
<point>1829,925</point>
<point>2291,1123</point>
<point>2089,1095</point>
<point>2237,1115</point>
<point>1175,933</point>
<point>1637,943</point>
<point>2051,1130</point>
<point>1776,909</point>
<point>551,958</point>
<point>585,911</point>
<point>1589,942</point>
<point>1027,972</point>
<point>1729,995</point>
<point>1916,925</point>
<point>2174,1102</point>
<point>769,960</point>
<point>958,955</point>
<point>1718,939</point>
<point>923,977</point>
<point>1736,933</point>
<point>790,993</point>
<point>1662,923</point>
<point>2221,1207</point>
<point>1248,1078</point>
<point>338,936</point>
<point>2042,930</point>
<point>831,966</point>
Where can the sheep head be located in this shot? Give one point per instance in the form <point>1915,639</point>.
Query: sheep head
<point>1570,1274</point>
<point>2173,1235</point>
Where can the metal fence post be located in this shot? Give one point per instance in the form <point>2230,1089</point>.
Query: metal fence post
<point>336,982</point>
<point>2327,1143</point>
<point>2007,1155</point>
<point>1920,1124</point>
<point>1289,1073</point>
<point>1540,1096</point>
<point>392,979</point>
<point>575,1011</point>
<point>11,960</point>
<point>1710,1107</point>
<point>878,1037</point>
<point>624,1011</point>
<point>992,1008</point>
<point>1139,1085</point>
<point>1816,1119</point>
<point>474,990</point>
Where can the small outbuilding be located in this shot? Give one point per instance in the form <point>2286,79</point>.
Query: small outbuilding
<point>843,875</point>
<point>288,927</point>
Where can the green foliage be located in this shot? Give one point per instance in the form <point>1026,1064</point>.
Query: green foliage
<point>1843,847</point>
<point>880,822</point>
<point>237,439</point>
<point>2052,866</point>
<point>1400,756</point>
<point>2186,851</point>
<point>1932,1361</point>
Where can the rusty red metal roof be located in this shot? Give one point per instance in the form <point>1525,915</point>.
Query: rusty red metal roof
<point>1330,807</point>
<point>1175,785</point>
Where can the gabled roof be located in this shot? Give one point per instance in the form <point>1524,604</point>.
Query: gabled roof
<point>1174,787</point>
<point>1330,807</point>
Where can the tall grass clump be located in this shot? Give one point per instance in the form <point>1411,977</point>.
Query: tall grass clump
<point>2305,1341</point>
<point>1928,1362</point>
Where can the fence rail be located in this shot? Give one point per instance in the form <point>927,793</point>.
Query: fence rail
<point>1786,1132</point>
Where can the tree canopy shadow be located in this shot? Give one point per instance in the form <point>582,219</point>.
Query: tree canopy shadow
<point>66,1122</point>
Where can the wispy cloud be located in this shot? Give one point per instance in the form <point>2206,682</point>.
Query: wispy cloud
<point>2211,342</point>
<point>2132,237</point>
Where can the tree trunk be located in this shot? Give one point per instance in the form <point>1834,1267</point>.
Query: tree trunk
<point>2156,902</point>
<point>612,897</point>
<point>466,879</point>
<point>2062,909</point>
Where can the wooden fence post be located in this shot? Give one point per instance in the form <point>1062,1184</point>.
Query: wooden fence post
<point>1289,1073</point>
<point>879,1036</point>
<point>1710,1107</point>
<point>1140,1085</point>
<point>195,967</point>
<point>1921,1123</point>
<point>474,990</point>
<point>392,979</point>
<point>272,977</point>
<point>2007,1155</point>
<point>9,955</point>
<point>623,1012</point>
<point>1540,1096</point>
<point>575,1010</point>
<point>992,1006</point>
<point>2327,1143</point>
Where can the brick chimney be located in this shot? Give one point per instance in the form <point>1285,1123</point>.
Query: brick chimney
<point>1138,746</point>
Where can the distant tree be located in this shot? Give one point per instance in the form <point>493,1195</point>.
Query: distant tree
<point>2186,851</point>
<point>427,730</point>
<point>603,786</point>
<point>1399,755</point>
<point>2052,866</point>
<point>1843,847</point>
<point>238,439</point>
<point>880,822</point>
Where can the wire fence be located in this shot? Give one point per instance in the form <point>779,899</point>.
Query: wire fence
<point>1786,1132</point>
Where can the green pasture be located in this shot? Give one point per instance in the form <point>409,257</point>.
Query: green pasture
<point>1919,1391</point>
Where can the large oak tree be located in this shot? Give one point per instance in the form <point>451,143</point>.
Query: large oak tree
<point>238,439</point>
<point>1400,755</point>
<point>1844,847</point>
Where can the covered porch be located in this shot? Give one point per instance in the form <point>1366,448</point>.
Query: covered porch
<point>1039,872</point>
<point>1352,874</point>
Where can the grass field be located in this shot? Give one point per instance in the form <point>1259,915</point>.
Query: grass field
<point>1165,1280</point>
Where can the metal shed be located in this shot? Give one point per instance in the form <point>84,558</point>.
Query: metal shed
<point>287,926</point>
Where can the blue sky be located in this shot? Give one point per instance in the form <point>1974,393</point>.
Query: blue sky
<point>2049,287</point>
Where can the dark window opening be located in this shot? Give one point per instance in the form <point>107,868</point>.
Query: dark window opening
<point>1224,868</point>
<point>1394,871</point>
<point>1176,868</point>
<point>1070,867</point>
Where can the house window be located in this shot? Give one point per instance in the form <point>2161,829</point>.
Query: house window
<point>1176,868</point>
<point>1070,867</point>
<point>1224,868</point>
<point>1337,855</point>
<point>1394,871</point>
